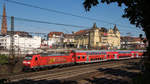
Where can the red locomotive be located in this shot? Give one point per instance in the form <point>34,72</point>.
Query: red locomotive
<point>37,61</point>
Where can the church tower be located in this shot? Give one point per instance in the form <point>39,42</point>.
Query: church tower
<point>4,22</point>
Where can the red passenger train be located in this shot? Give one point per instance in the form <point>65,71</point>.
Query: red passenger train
<point>43,60</point>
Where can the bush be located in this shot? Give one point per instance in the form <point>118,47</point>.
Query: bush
<point>3,59</point>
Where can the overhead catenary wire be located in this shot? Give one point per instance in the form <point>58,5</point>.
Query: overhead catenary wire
<point>46,22</point>
<point>56,11</point>
<point>65,13</point>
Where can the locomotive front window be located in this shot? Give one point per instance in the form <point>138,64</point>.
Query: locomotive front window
<point>28,57</point>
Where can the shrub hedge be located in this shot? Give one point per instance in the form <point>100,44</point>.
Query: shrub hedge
<point>3,59</point>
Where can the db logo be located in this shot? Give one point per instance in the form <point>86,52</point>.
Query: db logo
<point>51,60</point>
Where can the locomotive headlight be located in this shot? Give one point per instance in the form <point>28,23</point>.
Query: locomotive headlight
<point>28,62</point>
<point>24,62</point>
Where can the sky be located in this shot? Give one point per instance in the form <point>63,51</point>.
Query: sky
<point>103,12</point>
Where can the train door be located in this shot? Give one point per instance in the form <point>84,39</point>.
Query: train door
<point>105,56</point>
<point>115,56</point>
<point>132,55</point>
<point>73,57</point>
<point>87,58</point>
<point>137,55</point>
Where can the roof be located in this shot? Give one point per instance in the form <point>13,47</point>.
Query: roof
<point>20,33</point>
<point>129,38</point>
<point>55,33</point>
<point>68,35</point>
<point>81,32</point>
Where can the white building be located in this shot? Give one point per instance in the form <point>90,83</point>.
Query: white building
<point>55,38</point>
<point>20,43</point>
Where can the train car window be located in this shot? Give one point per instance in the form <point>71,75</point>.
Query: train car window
<point>83,57</point>
<point>78,57</point>
<point>91,59</point>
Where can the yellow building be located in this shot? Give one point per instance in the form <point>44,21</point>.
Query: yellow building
<point>98,38</point>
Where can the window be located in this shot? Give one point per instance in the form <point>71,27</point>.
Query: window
<point>36,59</point>
<point>78,57</point>
<point>83,57</point>
<point>28,57</point>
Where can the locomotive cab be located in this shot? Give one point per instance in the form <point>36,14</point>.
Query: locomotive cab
<point>27,62</point>
<point>31,61</point>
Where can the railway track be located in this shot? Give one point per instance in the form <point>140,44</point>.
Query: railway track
<point>63,73</point>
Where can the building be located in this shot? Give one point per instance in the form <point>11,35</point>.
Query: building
<point>82,38</point>
<point>128,42</point>
<point>21,43</point>
<point>69,40</point>
<point>55,39</point>
<point>98,38</point>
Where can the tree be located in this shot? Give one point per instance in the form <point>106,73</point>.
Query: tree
<point>137,11</point>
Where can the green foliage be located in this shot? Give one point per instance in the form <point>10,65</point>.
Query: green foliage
<point>3,59</point>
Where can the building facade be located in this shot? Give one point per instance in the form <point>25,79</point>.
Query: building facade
<point>128,42</point>
<point>55,39</point>
<point>98,38</point>
<point>20,43</point>
<point>68,40</point>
